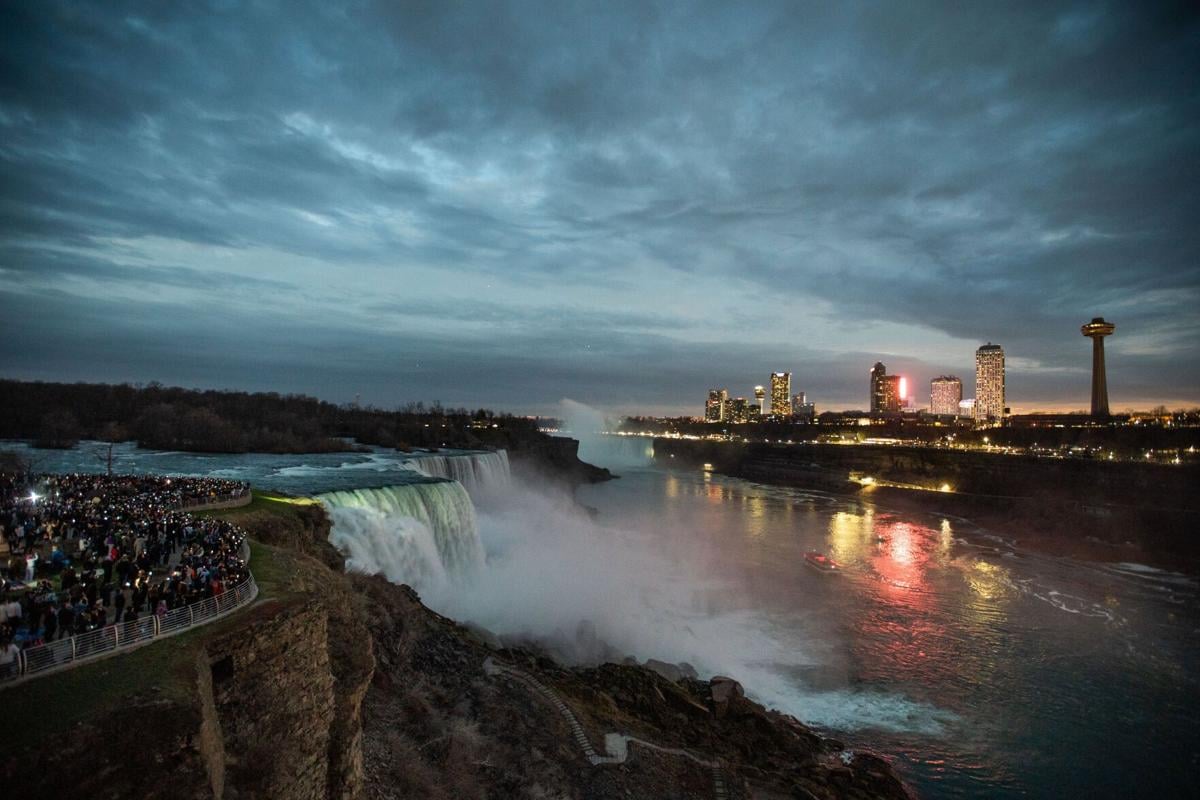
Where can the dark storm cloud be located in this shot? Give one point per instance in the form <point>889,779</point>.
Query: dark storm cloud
<point>631,197</point>
<point>30,265</point>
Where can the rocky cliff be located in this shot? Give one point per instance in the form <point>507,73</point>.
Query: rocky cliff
<point>540,458</point>
<point>346,686</point>
<point>452,715</point>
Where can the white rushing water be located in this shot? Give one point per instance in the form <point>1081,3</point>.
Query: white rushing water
<point>423,534</point>
<point>481,474</point>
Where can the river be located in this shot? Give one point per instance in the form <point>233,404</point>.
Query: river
<point>984,669</point>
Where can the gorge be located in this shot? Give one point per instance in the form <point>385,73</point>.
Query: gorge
<point>923,649</point>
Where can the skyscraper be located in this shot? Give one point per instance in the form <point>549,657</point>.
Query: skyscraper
<point>893,394</point>
<point>714,409</point>
<point>887,391</point>
<point>878,378</point>
<point>760,395</point>
<point>801,407</point>
<point>989,383</point>
<point>781,394</point>
<point>945,393</point>
<point>738,410</point>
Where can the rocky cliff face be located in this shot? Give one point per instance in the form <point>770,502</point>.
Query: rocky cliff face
<point>266,691</point>
<point>540,458</point>
<point>451,716</point>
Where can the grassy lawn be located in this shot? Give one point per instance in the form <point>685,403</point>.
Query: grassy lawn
<point>48,706</point>
<point>270,503</point>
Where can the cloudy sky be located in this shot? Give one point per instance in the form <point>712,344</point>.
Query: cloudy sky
<point>625,204</point>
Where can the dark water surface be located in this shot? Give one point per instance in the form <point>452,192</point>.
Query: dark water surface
<point>983,669</point>
<point>302,474</point>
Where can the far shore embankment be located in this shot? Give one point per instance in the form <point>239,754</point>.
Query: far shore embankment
<point>1097,510</point>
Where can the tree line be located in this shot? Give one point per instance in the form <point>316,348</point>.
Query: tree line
<point>212,421</point>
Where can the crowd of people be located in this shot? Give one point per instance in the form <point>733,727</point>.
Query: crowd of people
<point>87,551</point>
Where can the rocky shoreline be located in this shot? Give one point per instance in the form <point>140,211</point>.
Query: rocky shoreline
<point>489,734</point>
<point>1089,510</point>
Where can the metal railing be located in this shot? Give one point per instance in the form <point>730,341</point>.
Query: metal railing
<point>219,501</point>
<point>123,636</point>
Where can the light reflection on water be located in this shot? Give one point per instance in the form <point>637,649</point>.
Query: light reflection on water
<point>1010,673</point>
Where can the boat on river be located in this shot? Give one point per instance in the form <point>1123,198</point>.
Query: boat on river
<point>821,562</point>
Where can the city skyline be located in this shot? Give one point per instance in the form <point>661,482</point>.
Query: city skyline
<point>511,208</point>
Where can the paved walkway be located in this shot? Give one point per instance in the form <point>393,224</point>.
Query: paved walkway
<point>616,745</point>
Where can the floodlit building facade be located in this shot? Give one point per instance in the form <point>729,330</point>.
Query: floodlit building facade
<point>760,394</point>
<point>893,394</point>
<point>989,383</point>
<point>945,393</point>
<point>781,394</point>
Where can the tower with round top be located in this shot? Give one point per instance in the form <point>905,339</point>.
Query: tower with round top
<point>1096,330</point>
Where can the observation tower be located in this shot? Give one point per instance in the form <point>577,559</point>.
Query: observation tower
<point>1096,330</point>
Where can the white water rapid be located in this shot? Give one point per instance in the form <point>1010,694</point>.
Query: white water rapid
<point>423,534</point>
<point>481,474</point>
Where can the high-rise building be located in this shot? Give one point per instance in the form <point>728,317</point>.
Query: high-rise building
<point>989,383</point>
<point>893,393</point>
<point>887,391</point>
<point>801,407</point>
<point>781,394</point>
<point>878,378</point>
<point>945,393</point>
<point>739,410</point>
<point>714,409</point>
<point>760,395</point>
<point>966,408</point>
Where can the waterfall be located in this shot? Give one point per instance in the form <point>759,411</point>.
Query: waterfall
<point>482,474</point>
<point>420,534</point>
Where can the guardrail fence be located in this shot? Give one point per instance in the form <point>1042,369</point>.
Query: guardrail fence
<point>71,650</point>
<point>128,635</point>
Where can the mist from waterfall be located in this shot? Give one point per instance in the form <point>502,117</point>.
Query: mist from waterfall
<point>597,446</point>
